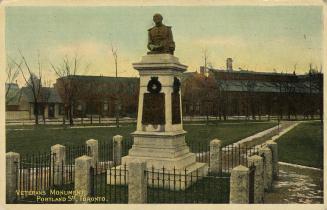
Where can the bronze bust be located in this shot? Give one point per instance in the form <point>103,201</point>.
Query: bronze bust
<point>160,37</point>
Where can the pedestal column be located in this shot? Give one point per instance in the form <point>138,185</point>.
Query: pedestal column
<point>159,139</point>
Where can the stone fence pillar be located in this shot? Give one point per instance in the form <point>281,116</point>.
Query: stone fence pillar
<point>215,156</point>
<point>257,161</point>
<point>12,161</point>
<point>58,159</point>
<point>82,178</point>
<point>265,153</point>
<point>93,150</point>
<point>137,182</point>
<point>117,149</point>
<point>239,185</point>
<point>273,146</point>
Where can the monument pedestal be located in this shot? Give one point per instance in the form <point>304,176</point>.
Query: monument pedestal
<point>159,138</point>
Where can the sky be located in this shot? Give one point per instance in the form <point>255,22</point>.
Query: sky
<point>257,38</point>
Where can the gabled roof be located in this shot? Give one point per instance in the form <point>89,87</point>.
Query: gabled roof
<point>14,95</point>
<point>47,95</point>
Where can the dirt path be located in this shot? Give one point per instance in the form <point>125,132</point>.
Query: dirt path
<point>297,185</point>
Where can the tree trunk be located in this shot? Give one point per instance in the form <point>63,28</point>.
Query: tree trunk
<point>64,117</point>
<point>117,113</point>
<point>43,116</point>
<point>71,121</point>
<point>36,112</point>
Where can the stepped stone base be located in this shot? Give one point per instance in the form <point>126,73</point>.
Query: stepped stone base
<point>178,179</point>
<point>167,157</point>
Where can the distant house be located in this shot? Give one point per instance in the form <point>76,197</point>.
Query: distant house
<point>20,103</point>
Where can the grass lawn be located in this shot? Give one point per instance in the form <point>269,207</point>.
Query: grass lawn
<point>41,138</point>
<point>303,145</point>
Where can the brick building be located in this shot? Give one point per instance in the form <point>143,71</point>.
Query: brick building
<point>98,95</point>
<point>252,94</point>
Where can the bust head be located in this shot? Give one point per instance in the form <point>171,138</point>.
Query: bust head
<point>157,19</point>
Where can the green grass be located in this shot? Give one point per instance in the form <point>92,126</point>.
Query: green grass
<point>41,138</point>
<point>303,145</point>
<point>226,132</point>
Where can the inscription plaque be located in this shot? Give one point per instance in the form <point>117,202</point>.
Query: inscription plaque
<point>176,111</point>
<point>153,109</point>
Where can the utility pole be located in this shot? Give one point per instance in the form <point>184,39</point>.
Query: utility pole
<point>117,103</point>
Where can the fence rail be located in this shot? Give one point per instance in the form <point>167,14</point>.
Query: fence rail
<point>232,155</point>
<point>110,184</point>
<point>180,186</point>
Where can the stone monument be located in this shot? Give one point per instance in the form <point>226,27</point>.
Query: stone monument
<point>159,139</point>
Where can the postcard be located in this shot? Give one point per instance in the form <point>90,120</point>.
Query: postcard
<point>184,103</point>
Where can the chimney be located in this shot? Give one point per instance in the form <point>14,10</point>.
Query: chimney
<point>229,64</point>
<point>202,70</point>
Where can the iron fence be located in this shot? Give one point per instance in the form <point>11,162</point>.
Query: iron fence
<point>41,172</point>
<point>185,186</point>
<point>231,155</point>
<point>73,152</point>
<point>109,184</point>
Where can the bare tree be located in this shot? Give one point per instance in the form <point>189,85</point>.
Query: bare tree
<point>45,96</point>
<point>12,72</point>
<point>68,84</point>
<point>114,52</point>
<point>33,80</point>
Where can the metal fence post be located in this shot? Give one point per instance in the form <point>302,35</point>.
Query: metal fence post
<point>117,149</point>
<point>93,150</point>
<point>12,161</point>
<point>82,178</point>
<point>273,146</point>
<point>58,162</point>
<point>239,185</point>
<point>215,156</point>
<point>137,182</point>
<point>257,161</point>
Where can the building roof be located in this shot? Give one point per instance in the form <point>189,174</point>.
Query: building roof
<point>263,86</point>
<point>13,95</point>
<point>244,81</point>
<point>47,95</point>
<point>103,85</point>
<point>101,78</point>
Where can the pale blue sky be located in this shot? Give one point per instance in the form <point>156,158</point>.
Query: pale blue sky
<point>258,38</point>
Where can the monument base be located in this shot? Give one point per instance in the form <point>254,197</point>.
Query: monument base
<point>168,160</point>
<point>178,179</point>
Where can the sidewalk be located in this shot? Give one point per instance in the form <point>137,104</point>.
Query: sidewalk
<point>296,185</point>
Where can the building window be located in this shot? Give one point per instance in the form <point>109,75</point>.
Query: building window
<point>105,107</point>
<point>61,109</point>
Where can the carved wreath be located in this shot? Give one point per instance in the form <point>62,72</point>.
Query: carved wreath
<point>154,86</point>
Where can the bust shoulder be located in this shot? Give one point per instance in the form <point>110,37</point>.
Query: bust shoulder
<point>163,26</point>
